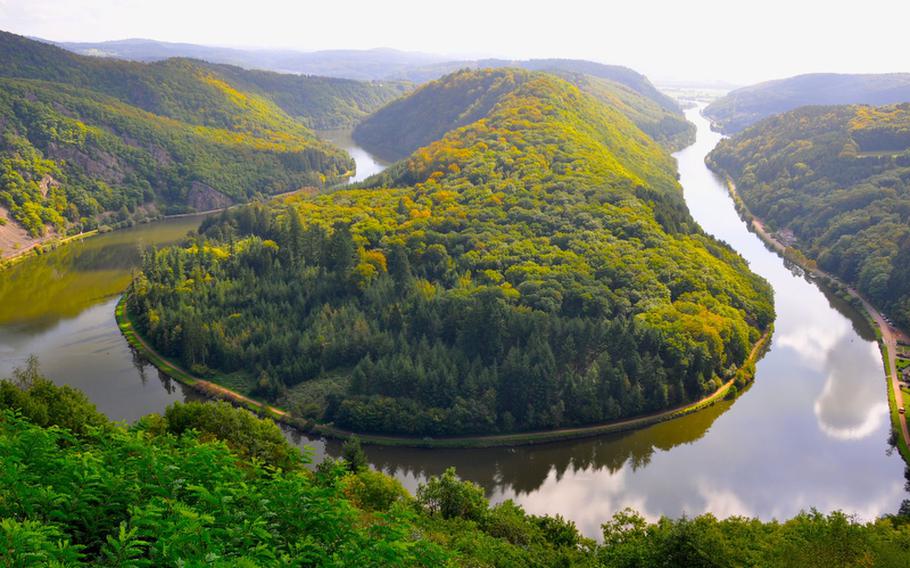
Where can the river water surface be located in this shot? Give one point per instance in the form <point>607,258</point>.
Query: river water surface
<point>811,431</point>
<point>367,163</point>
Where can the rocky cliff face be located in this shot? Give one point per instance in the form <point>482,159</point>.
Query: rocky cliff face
<point>203,197</point>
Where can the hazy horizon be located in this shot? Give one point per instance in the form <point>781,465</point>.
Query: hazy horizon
<point>666,41</point>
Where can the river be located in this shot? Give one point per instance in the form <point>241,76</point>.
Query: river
<point>811,431</point>
<point>60,307</point>
<point>367,163</point>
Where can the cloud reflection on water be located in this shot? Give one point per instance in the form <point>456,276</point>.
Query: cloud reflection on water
<point>850,405</point>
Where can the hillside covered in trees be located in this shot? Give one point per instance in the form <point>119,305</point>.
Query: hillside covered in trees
<point>381,64</point>
<point>209,484</point>
<point>409,123</point>
<point>744,107</point>
<point>536,268</point>
<point>81,137</point>
<point>321,103</point>
<point>839,178</point>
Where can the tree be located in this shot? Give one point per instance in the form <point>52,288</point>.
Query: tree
<point>354,457</point>
<point>449,497</point>
<point>341,252</point>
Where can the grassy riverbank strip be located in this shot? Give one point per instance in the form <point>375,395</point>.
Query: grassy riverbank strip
<point>42,247</point>
<point>179,374</point>
<point>862,305</point>
<point>215,390</point>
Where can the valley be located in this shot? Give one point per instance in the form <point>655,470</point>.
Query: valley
<point>828,395</point>
<point>375,285</point>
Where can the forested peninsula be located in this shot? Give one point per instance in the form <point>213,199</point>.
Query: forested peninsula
<point>533,269</point>
<point>835,181</point>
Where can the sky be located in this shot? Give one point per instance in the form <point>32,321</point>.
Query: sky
<point>740,42</point>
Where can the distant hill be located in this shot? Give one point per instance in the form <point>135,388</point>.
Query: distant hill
<point>363,65</point>
<point>838,178</point>
<point>616,73</point>
<point>746,106</point>
<point>172,87</point>
<point>82,138</point>
<point>409,123</point>
<point>319,102</point>
<point>371,64</point>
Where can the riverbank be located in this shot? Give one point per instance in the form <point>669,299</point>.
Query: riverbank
<point>215,390</point>
<point>40,247</point>
<point>52,244</point>
<point>886,336</point>
<point>179,374</point>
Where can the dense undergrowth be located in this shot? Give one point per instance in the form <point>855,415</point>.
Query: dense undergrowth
<point>206,484</point>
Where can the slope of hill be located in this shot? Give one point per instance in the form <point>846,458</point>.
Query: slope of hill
<point>69,155</point>
<point>746,106</point>
<point>667,126</point>
<point>535,268</point>
<point>411,122</point>
<point>204,93</point>
<point>208,484</point>
<point>406,124</point>
<point>82,137</point>
<point>839,179</point>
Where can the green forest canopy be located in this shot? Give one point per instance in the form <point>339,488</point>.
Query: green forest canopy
<point>209,484</point>
<point>839,178</point>
<point>536,268</point>
<point>406,124</point>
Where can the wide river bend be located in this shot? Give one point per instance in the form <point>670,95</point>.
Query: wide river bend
<point>811,431</point>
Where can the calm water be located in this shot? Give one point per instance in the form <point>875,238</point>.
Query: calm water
<point>811,431</point>
<point>60,307</point>
<point>367,164</point>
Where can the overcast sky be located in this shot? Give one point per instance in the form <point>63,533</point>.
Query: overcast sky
<point>736,41</point>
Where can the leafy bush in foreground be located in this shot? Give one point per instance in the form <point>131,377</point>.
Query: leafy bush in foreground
<point>106,495</point>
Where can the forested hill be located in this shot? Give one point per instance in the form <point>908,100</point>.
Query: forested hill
<point>322,102</point>
<point>408,123</point>
<point>82,137</point>
<point>367,64</point>
<point>743,107</point>
<point>533,269</point>
<point>615,73</point>
<point>667,126</point>
<point>839,178</point>
<point>319,102</point>
<point>206,484</point>
<point>203,93</point>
